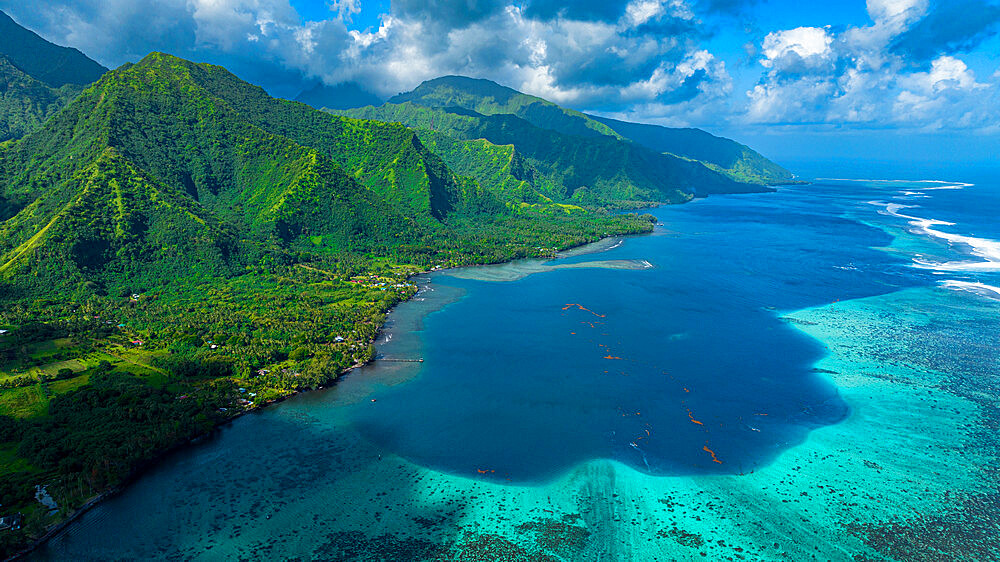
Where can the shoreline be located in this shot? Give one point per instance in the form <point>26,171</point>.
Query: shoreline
<point>148,465</point>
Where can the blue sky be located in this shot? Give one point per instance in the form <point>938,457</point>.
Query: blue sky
<point>910,80</point>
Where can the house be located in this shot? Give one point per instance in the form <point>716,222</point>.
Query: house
<point>11,522</point>
<point>2,332</point>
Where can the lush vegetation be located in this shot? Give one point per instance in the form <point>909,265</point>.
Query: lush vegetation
<point>51,64</point>
<point>737,161</point>
<point>177,247</point>
<point>590,170</point>
<point>484,97</point>
<point>489,98</point>
<point>37,79</point>
<point>25,103</point>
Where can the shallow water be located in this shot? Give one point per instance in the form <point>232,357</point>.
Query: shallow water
<point>815,342</point>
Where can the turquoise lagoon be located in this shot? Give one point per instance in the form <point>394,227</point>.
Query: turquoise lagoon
<point>808,374</point>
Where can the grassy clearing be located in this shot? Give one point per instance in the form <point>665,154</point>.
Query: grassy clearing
<point>139,362</point>
<point>24,402</point>
<point>64,386</point>
<point>45,357</point>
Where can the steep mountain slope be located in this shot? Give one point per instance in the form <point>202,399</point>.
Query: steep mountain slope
<point>172,164</point>
<point>489,98</point>
<point>736,160</point>
<point>594,170</point>
<point>110,220</point>
<point>385,157</point>
<point>25,103</point>
<point>341,96</point>
<point>176,248</point>
<point>498,167</point>
<point>183,160</point>
<point>44,61</point>
<point>199,127</point>
<point>37,78</point>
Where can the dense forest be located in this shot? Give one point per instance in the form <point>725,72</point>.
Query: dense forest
<point>481,98</point>
<point>37,78</point>
<point>178,247</point>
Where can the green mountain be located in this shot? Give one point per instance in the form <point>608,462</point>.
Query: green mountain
<point>25,103</point>
<point>37,78</point>
<point>167,164</point>
<point>489,98</point>
<point>44,61</point>
<point>161,143</point>
<point>111,220</point>
<point>595,169</point>
<point>736,160</point>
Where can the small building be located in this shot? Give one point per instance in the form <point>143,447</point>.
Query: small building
<point>2,332</point>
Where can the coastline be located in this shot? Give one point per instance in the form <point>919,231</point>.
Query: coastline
<point>859,487</point>
<point>139,471</point>
<point>832,496</point>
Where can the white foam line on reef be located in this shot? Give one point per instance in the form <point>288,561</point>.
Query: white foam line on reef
<point>985,248</point>
<point>944,184</point>
<point>978,288</point>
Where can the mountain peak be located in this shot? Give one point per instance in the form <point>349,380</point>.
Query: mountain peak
<point>45,61</point>
<point>480,87</point>
<point>489,98</point>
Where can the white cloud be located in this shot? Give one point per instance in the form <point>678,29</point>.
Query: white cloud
<point>808,47</point>
<point>345,9</point>
<point>639,12</point>
<point>896,10</point>
<point>816,75</point>
<point>647,61</point>
<point>946,72</point>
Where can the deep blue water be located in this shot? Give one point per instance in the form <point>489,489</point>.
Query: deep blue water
<point>520,386</point>
<point>516,383</point>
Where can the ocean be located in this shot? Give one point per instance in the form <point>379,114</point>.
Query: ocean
<point>810,372</point>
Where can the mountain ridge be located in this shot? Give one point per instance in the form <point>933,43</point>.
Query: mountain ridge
<point>574,158</point>
<point>45,61</point>
<point>279,173</point>
<point>37,78</point>
<point>738,162</point>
